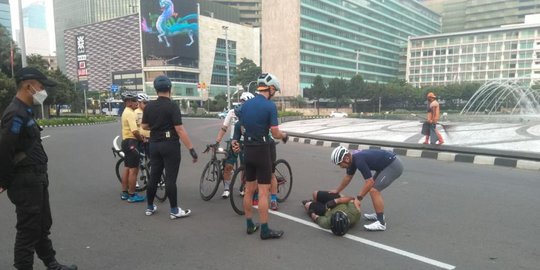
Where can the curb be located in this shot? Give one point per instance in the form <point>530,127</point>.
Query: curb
<point>431,154</point>
<point>78,124</point>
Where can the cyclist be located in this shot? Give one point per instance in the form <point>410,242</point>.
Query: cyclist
<point>257,116</point>
<point>130,145</point>
<point>332,211</point>
<point>387,167</point>
<point>163,118</point>
<point>232,157</point>
<point>142,100</point>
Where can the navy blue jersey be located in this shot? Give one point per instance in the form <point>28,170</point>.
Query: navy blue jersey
<point>370,160</point>
<point>257,116</point>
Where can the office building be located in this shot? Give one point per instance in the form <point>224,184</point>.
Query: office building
<point>75,13</point>
<point>464,15</point>
<point>508,52</point>
<point>339,38</point>
<point>114,53</point>
<point>36,34</point>
<point>5,15</point>
<point>250,10</point>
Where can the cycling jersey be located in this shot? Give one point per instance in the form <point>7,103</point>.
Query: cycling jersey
<point>370,160</point>
<point>230,120</point>
<point>139,114</point>
<point>162,115</point>
<point>348,208</point>
<point>258,115</point>
<point>129,124</point>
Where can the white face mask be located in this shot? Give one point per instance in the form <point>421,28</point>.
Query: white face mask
<point>39,96</point>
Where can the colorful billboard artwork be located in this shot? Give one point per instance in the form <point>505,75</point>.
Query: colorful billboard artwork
<point>170,29</point>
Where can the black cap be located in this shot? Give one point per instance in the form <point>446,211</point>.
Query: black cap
<point>30,73</point>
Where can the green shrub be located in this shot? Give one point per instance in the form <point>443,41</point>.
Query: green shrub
<point>288,113</point>
<point>75,120</point>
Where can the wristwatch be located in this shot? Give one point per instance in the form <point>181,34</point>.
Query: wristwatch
<point>359,197</point>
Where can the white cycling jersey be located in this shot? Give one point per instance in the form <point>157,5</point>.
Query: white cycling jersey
<point>230,121</point>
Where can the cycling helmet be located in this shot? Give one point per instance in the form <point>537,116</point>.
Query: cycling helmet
<point>142,97</point>
<point>267,79</point>
<point>338,154</point>
<point>246,96</point>
<point>128,96</point>
<point>339,223</point>
<point>162,84</point>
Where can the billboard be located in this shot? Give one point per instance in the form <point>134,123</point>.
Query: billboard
<point>170,31</point>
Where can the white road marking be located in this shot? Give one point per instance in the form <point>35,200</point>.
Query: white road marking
<point>370,243</point>
<point>44,137</point>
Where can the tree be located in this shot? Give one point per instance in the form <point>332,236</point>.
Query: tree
<point>7,91</point>
<point>247,71</point>
<point>337,89</point>
<point>317,91</point>
<point>356,90</point>
<point>6,47</point>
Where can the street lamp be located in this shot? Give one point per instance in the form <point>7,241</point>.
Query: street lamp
<point>227,67</point>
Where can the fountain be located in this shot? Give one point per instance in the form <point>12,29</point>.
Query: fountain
<point>510,97</point>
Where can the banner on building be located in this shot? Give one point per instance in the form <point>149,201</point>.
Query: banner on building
<point>170,32</point>
<point>82,69</point>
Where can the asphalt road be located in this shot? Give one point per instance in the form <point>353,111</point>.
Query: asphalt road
<point>440,215</point>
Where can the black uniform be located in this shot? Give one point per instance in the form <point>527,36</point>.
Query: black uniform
<point>161,116</point>
<point>23,171</point>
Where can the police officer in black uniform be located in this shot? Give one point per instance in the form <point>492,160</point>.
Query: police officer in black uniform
<point>164,120</point>
<point>23,172</point>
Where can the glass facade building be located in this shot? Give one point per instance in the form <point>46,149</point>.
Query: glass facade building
<point>340,38</point>
<point>464,15</point>
<point>34,16</point>
<point>5,15</point>
<point>250,10</point>
<point>477,56</point>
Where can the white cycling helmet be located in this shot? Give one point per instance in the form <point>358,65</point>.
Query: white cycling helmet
<point>267,79</point>
<point>142,97</point>
<point>246,96</point>
<point>338,154</point>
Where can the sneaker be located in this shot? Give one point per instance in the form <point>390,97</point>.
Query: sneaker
<point>439,142</point>
<point>151,211</point>
<point>251,230</point>
<point>124,196</point>
<point>371,216</point>
<point>242,192</point>
<point>56,266</point>
<point>255,202</point>
<point>375,226</point>
<point>225,194</point>
<point>135,198</point>
<point>181,213</point>
<point>274,205</point>
<point>271,234</point>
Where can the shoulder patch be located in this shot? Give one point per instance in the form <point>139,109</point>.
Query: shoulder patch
<point>16,125</point>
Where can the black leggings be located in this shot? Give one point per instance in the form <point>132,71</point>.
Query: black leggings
<point>164,155</point>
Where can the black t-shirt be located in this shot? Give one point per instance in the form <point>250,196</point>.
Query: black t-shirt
<point>162,115</point>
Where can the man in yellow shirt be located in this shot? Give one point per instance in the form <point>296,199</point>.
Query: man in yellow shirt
<point>130,144</point>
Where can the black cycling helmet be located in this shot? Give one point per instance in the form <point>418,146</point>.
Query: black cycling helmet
<point>339,223</point>
<point>128,96</point>
<point>162,84</point>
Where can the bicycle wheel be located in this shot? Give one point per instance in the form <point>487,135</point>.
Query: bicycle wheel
<point>142,179</point>
<point>161,193</point>
<point>117,168</point>
<point>210,179</point>
<point>237,191</point>
<point>284,178</point>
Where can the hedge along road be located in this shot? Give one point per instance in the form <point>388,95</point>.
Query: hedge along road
<point>440,215</point>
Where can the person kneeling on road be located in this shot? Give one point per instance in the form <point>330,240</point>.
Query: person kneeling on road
<point>332,211</point>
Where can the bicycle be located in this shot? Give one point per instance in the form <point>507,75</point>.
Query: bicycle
<point>213,172</point>
<point>144,171</point>
<point>284,178</point>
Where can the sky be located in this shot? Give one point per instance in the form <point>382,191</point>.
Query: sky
<point>50,18</point>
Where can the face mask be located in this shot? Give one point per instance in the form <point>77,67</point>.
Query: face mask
<point>39,96</point>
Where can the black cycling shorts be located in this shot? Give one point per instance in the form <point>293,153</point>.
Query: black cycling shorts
<point>131,154</point>
<point>325,196</point>
<point>258,163</point>
<point>273,156</point>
